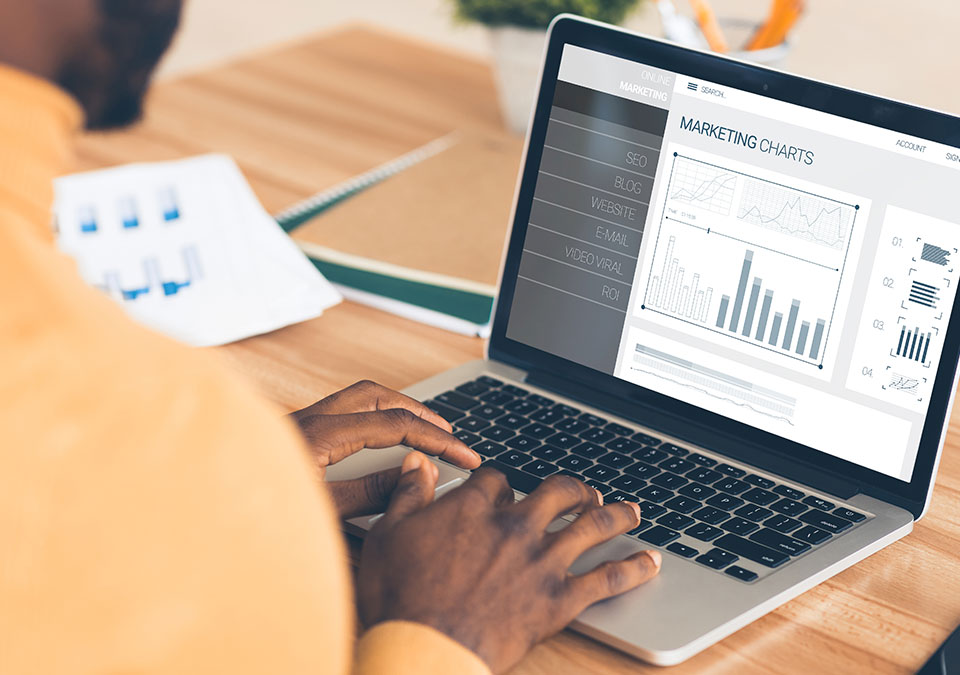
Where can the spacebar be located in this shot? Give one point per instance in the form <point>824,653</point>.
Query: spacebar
<point>520,481</point>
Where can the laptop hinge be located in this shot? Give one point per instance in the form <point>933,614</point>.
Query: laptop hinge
<point>695,432</point>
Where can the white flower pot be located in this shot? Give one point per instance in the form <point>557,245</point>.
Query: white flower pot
<point>516,63</point>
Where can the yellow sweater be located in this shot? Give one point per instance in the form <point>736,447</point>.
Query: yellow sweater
<point>156,516</point>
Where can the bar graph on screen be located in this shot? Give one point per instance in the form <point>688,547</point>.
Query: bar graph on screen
<point>764,276</point>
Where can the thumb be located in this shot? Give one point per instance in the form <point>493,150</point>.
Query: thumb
<point>363,496</point>
<point>414,490</point>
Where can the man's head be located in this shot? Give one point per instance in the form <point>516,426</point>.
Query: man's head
<point>101,51</point>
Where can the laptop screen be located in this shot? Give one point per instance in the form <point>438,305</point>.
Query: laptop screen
<point>779,266</point>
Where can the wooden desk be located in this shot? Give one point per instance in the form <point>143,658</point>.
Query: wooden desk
<point>307,116</point>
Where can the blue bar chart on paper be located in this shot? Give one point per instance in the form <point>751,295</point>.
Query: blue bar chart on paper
<point>186,249</point>
<point>751,260</point>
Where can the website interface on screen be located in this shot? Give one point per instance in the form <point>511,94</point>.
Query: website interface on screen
<point>780,266</point>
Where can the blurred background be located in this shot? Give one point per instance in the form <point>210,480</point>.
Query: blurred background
<point>897,49</point>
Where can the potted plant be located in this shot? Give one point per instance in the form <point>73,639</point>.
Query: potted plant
<point>517,32</point>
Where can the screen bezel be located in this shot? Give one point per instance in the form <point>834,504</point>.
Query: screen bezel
<point>857,106</point>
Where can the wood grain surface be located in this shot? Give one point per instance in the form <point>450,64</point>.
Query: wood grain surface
<point>309,115</point>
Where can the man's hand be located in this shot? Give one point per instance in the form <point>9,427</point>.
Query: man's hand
<point>482,569</point>
<point>368,415</point>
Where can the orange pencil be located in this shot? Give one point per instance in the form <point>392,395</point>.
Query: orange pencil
<point>709,25</point>
<point>783,15</point>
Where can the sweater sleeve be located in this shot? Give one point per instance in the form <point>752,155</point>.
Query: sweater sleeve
<point>404,648</point>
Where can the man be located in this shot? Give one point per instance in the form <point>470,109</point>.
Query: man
<point>157,516</point>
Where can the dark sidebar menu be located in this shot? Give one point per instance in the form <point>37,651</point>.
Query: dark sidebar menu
<point>586,224</point>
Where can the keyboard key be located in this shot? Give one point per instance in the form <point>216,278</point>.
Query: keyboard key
<point>474,388</point>
<point>779,542</point>
<point>487,412</point>
<point>458,400</point>
<point>572,426</point>
<point>740,573</point>
<point>651,510</point>
<point>697,491</point>
<point>514,390</point>
<point>641,470</point>
<point>548,452</point>
<point>513,458</point>
<point>521,407</point>
<point>566,410</point>
<point>615,459</point>
<point>852,516</point>
<point>646,439</point>
<point>488,448</point>
<point>675,521</point>
<point>590,450</point>
<point>759,481</point>
<point>681,550</point>
<point>703,475</point>
<point>466,437</point>
<point>618,429</point>
<point>549,416</point>
<point>788,507</point>
<point>760,496</point>
<point>703,532</point>
<point>675,450</point>
<point>825,521</point>
<point>596,435</point>
<point>489,381</point>
<point>710,515</point>
<point>640,528</point>
<point>512,421</point>
<point>524,443</point>
<point>593,420</point>
<point>627,483</point>
<point>540,468</point>
<point>650,455</point>
<point>659,535</point>
<point>751,550</point>
<point>537,430</point>
<point>519,480</point>
<point>725,502</point>
<point>788,492</point>
<point>597,485</point>
<point>702,460</point>
<point>782,524</point>
<point>738,525</point>
<point>731,470</point>
<point>731,485</point>
<point>669,480</point>
<point>753,512</point>
<point>565,441</point>
<point>624,445</point>
<point>818,503</point>
<point>540,400</point>
<point>811,535</point>
<point>655,493</point>
<point>498,434</point>
<point>683,504</point>
<point>677,465</point>
<point>445,411</point>
<point>619,496</point>
<point>497,397</point>
<point>473,424</point>
<point>602,473</point>
<point>574,463</point>
<point>717,559</point>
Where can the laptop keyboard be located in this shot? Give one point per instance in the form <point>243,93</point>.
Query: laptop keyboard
<point>696,506</point>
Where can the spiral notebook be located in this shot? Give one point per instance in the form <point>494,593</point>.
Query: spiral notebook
<point>421,236</point>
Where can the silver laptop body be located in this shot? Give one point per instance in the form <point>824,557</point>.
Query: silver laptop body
<point>660,294</point>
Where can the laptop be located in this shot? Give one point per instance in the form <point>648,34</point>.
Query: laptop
<point>728,293</point>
